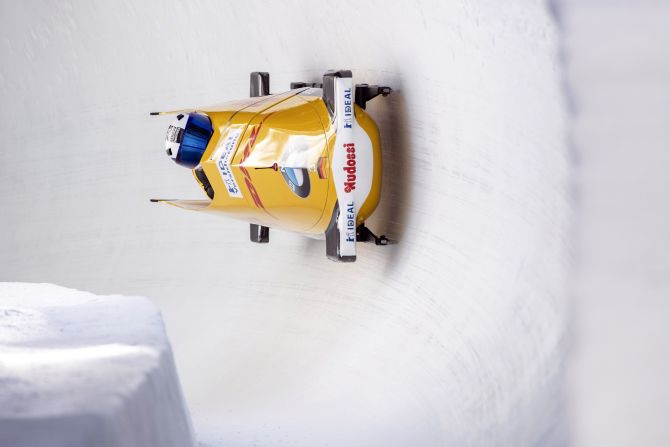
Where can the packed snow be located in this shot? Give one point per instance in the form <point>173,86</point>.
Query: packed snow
<point>78,369</point>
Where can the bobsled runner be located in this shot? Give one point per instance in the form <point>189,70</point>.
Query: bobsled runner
<point>307,160</point>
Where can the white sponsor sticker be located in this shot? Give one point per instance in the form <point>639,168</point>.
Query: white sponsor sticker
<point>344,165</point>
<point>227,148</point>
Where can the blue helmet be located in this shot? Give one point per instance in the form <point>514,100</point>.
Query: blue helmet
<point>187,138</point>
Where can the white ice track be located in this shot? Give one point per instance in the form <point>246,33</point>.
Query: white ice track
<point>456,336</point>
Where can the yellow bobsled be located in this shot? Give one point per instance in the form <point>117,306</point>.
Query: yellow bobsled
<point>308,160</point>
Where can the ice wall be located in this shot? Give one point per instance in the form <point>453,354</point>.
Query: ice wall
<point>453,337</point>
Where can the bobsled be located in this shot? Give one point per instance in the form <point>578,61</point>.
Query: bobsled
<point>307,160</point>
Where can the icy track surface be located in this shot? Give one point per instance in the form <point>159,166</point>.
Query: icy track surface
<point>453,337</point>
<point>83,370</point>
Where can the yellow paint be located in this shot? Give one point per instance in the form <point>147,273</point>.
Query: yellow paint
<point>283,125</point>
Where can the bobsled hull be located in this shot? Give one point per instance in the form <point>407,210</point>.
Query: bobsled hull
<point>269,162</point>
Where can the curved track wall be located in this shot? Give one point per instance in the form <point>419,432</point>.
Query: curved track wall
<point>453,337</point>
